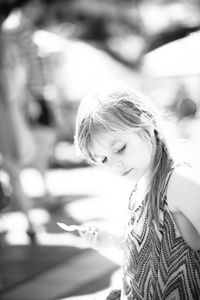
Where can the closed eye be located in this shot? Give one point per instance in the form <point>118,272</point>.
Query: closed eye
<point>104,160</point>
<point>121,149</point>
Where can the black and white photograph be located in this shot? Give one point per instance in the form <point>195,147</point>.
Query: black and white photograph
<point>99,150</point>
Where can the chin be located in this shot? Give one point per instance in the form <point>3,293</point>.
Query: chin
<point>132,177</point>
<point>135,176</point>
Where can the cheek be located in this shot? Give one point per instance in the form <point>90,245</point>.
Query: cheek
<point>144,153</point>
<point>148,158</point>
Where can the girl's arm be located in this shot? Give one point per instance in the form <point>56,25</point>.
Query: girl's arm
<point>184,195</point>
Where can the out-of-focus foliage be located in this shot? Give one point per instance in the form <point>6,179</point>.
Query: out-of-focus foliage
<point>125,29</point>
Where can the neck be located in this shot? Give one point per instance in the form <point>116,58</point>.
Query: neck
<point>145,182</point>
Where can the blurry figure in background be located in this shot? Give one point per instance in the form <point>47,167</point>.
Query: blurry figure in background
<point>5,197</point>
<point>20,27</point>
<point>187,108</point>
<point>187,113</point>
<point>5,186</point>
<point>183,105</point>
<point>16,144</point>
<point>120,130</point>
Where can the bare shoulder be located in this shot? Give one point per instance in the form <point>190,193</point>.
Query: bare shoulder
<point>183,188</point>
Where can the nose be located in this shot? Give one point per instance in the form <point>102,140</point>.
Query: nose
<point>117,167</point>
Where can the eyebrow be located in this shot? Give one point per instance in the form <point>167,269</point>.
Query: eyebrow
<point>115,142</point>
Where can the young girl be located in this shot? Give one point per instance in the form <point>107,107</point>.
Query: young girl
<point>120,130</point>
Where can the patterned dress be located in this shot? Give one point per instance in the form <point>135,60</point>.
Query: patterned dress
<point>158,263</point>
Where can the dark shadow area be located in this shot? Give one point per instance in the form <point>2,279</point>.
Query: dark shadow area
<point>19,264</point>
<point>94,285</point>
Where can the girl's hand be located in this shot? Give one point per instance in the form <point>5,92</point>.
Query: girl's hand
<point>98,238</point>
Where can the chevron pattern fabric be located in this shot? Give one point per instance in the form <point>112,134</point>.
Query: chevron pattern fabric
<point>158,263</point>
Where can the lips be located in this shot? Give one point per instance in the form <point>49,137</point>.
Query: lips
<point>127,172</point>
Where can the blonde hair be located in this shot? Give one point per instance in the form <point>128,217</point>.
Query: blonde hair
<point>117,108</point>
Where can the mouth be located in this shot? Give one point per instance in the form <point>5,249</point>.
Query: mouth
<point>127,172</point>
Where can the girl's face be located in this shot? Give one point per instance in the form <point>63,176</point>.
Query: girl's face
<point>126,153</point>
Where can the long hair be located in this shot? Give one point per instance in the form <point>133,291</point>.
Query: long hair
<point>117,108</point>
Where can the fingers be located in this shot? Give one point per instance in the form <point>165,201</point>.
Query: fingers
<point>90,235</point>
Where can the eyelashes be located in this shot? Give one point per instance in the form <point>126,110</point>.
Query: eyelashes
<point>121,150</point>
<point>104,160</point>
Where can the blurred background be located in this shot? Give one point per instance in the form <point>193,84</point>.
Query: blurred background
<point>51,53</point>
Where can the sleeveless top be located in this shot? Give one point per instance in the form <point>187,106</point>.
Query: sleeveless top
<point>158,263</point>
